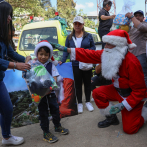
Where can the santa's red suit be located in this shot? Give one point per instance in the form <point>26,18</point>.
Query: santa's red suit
<point>129,75</point>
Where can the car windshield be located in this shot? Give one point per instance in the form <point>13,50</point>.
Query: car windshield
<point>30,38</point>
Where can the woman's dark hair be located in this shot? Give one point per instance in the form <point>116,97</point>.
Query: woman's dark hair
<point>13,29</point>
<point>47,50</point>
<point>73,32</point>
<point>5,11</point>
<point>105,2</point>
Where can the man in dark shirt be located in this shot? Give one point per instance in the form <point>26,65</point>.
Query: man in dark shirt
<point>105,20</point>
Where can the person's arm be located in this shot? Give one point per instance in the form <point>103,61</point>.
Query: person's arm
<point>4,65</point>
<point>134,20</point>
<point>98,69</point>
<point>85,55</point>
<point>136,83</point>
<point>103,17</point>
<point>65,54</point>
<point>137,24</point>
<point>15,56</point>
<point>80,54</point>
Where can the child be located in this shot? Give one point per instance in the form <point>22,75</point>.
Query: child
<point>43,52</point>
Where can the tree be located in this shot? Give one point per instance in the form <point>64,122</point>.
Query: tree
<point>45,3</point>
<point>87,22</point>
<point>66,9</point>
<point>22,9</point>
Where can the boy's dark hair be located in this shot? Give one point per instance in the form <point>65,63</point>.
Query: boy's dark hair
<point>5,11</point>
<point>47,50</point>
<point>107,2</point>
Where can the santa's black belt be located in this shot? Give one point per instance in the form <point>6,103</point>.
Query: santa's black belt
<point>124,92</point>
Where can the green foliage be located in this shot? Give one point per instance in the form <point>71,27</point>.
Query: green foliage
<point>40,70</point>
<point>88,23</point>
<point>66,9</point>
<point>43,8</point>
<point>45,3</point>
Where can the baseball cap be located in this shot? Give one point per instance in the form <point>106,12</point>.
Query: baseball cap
<point>78,19</point>
<point>139,11</point>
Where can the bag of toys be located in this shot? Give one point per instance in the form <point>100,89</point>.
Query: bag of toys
<point>120,18</point>
<point>39,81</point>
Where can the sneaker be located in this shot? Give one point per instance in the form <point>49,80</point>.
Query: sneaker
<point>13,140</point>
<point>62,130</point>
<point>49,137</point>
<point>80,108</point>
<point>50,118</point>
<point>89,106</point>
<point>92,100</point>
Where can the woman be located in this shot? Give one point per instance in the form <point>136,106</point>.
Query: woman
<point>105,20</point>
<point>6,108</point>
<point>83,40</point>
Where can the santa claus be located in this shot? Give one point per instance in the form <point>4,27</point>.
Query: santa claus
<point>128,86</point>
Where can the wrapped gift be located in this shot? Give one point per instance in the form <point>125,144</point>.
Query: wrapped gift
<point>39,81</point>
<point>145,19</point>
<point>120,19</point>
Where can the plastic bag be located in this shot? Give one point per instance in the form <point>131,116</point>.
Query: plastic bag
<point>120,18</point>
<point>39,81</point>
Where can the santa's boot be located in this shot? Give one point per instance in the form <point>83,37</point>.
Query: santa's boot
<point>110,120</point>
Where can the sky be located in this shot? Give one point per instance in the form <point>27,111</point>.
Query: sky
<point>90,6</point>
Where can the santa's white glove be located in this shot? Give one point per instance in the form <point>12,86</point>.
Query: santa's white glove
<point>116,108</point>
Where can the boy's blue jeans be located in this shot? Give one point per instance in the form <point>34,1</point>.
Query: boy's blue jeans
<point>6,110</point>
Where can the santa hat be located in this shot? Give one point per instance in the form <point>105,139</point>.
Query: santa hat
<point>55,62</point>
<point>47,44</point>
<point>118,38</point>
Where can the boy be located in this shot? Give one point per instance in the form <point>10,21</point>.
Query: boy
<point>43,51</point>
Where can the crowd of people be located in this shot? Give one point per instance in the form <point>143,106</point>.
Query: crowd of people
<point>121,72</point>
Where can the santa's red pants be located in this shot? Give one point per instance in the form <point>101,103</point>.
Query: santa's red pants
<point>132,120</point>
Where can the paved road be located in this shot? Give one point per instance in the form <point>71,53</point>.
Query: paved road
<point>84,133</point>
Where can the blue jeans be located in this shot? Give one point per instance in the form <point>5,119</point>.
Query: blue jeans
<point>143,61</point>
<point>6,110</point>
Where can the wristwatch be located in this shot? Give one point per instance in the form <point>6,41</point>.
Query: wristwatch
<point>131,16</point>
<point>14,66</point>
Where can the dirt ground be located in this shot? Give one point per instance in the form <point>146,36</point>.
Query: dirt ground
<point>84,133</point>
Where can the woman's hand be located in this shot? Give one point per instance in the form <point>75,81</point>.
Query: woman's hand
<point>113,16</point>
<point>23,66</point>
<point>60,62</point>
<point>27,59</point>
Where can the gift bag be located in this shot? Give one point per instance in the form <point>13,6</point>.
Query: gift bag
<point>145,19</point>
<point>120,18</point>
<point>39,81</point>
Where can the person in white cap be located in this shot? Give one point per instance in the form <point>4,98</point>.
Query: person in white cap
<point>44,51</point>
<point>80,38</point>
<point>128,86</point>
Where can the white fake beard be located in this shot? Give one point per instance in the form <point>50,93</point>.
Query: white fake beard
<point>112,60</point>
